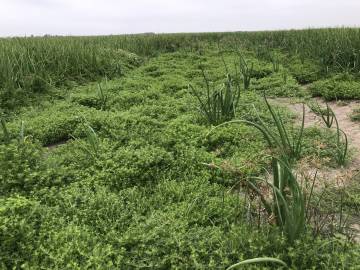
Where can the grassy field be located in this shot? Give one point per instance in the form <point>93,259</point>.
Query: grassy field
<point>174,151</point>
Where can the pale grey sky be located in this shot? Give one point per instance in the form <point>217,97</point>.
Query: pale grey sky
<point>102,17</point>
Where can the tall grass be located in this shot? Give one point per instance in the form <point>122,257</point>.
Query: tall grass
<point>34,64</point>
<point>333,48</point>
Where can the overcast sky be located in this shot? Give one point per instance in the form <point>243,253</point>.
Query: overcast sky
<point>94,17</point>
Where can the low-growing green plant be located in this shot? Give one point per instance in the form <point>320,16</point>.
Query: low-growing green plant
<point>20,164</point>
<point>6,134</point>
<point>21,137</point>
<point>340,86</point>
<point>284,75</point>
<point>146,201</point>
<point>219,105</point>
<point>304,70</point>
<point>279,85</point>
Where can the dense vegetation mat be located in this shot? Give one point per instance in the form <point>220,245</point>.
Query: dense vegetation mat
<point>117,176</point>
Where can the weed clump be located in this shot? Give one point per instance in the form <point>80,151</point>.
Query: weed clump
<point>342,86</point>
<point>219,105</point>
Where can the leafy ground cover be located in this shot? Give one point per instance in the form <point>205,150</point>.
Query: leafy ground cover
<point>337,87</point>
<point>124,174</point>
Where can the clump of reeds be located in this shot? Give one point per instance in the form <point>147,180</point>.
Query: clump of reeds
<point>220,102</point>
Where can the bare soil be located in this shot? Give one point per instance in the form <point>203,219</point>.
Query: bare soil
<point>352,130</point>
<point>336,177</point>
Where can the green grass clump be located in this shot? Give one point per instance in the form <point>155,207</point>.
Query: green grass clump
<point>98,99</point>
<point>338,87</point>
<point>326,113</point>
<point>304,71</point>
<point>288,143</point>
<point>20,164</point>
<point>246,69</point>
<point>278,85</point>
<point>219,105</point>
<point>5,132</point>
<point>57,123</point>
<point>288,205</point>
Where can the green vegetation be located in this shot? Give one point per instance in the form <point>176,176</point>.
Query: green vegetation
<point>304,71</point>
<point>355,115</point>
<point>219,104</point>
<point>246,70</point>
<point>288,211</point>
<point>107,163</point>
<point>328,116</point>
<point>31,66</point>
<point>342,86</point>
<point>34,65</point>
<point>278,84</point>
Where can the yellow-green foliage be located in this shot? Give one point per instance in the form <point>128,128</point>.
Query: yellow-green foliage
<point>280,84</point>
<point>141,189</point>
<point>341,86</point>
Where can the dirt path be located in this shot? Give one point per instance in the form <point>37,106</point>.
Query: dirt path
<point>342,112</point>
<point>338,177</point>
